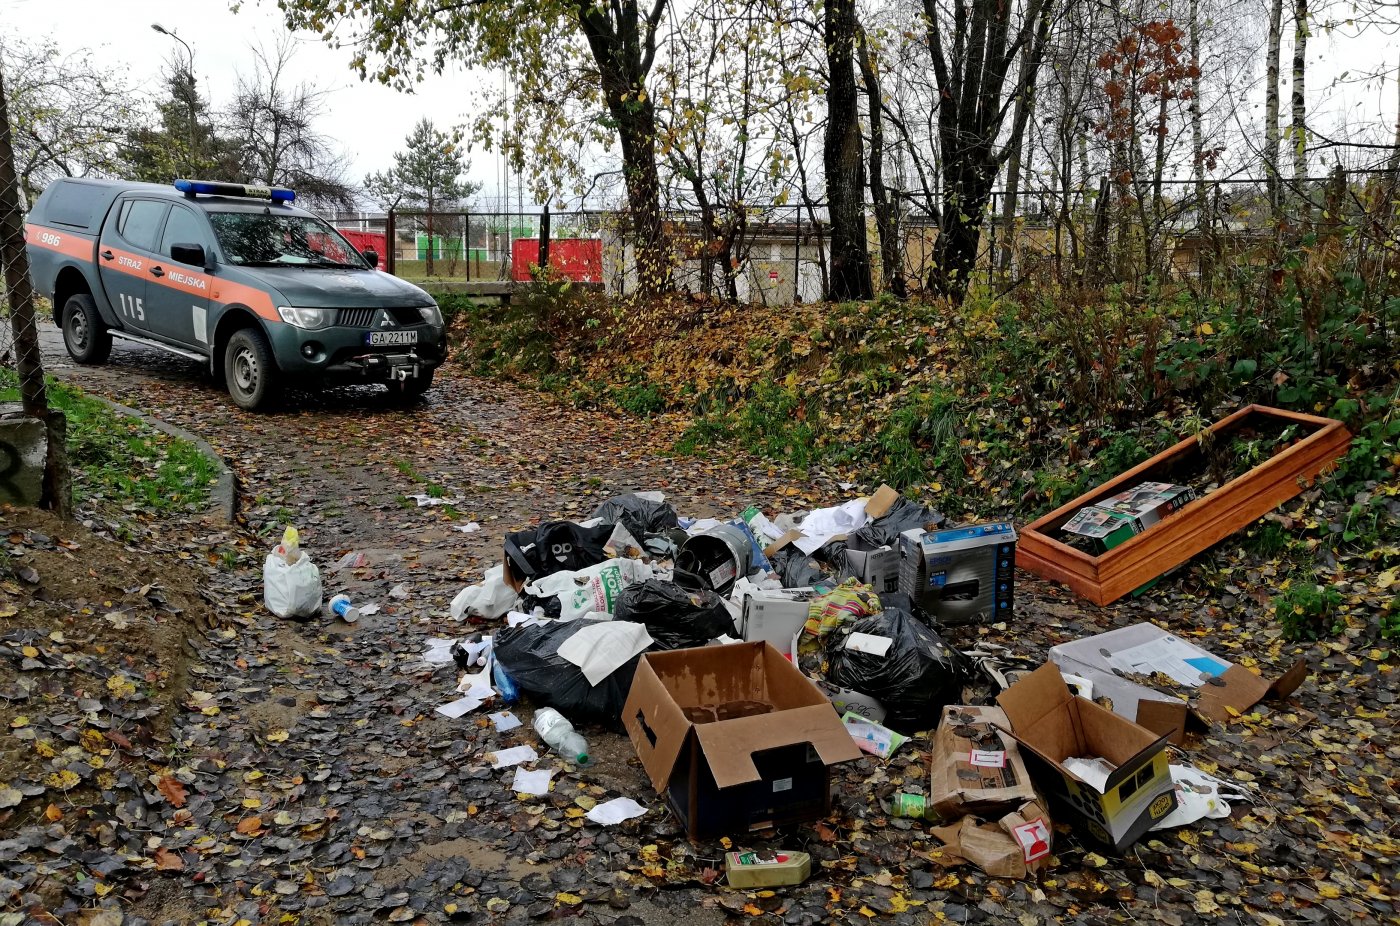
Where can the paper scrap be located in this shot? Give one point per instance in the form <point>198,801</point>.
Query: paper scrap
<point>505,758</point>
<point>352,560</point>
<point>399,591</point>
<point>603,648</point>
<point>504,720</point>
<point>615,811</point>
<point>439,652</point>
<point>869,643</point>
<point>369,609</point>
<point>463,705</point>
<point>429,501</point>
<point>471,527</point>
<point>528,782</point>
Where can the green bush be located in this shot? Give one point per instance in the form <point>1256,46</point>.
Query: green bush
<point>1308,611</point>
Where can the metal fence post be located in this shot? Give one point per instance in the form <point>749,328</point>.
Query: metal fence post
<point>391,242</point>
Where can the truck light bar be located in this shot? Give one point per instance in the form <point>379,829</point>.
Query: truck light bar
<point>193,188</point>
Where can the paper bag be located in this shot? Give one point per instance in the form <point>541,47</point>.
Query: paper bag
<point>1016,845</point>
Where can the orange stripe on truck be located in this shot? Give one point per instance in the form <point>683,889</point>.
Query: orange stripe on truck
<point>195,283</point>
<point>66,243</point>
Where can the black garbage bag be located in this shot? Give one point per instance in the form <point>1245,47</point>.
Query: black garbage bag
<point>641,516</point>
<point>529,654</point>
<point>675,617</point>
<point>903,515</point>
<point>796,569</point>
<point>557,546</point>
<point>915,679</point>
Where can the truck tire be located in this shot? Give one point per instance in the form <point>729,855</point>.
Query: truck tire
<point>411,390</point>
<point>249,370</point>
<point>84,334</point>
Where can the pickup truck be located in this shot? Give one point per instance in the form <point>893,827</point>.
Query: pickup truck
<point>232,276</point>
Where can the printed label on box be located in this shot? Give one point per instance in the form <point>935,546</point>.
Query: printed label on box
<point>1034,838</point>
<point>782,784</point>
<point>988,758</point>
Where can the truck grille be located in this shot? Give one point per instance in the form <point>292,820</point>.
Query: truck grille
<point>356,318</point>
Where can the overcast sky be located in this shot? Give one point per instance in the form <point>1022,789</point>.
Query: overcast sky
<point>368,120</point>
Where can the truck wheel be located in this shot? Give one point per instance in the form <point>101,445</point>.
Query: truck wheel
<point>84,334</point>
<point>411,390</point>
<point>249,370</point>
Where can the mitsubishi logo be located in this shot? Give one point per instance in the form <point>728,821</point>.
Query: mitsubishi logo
<point>385,319</point>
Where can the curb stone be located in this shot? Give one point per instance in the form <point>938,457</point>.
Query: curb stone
<point>224,493</point>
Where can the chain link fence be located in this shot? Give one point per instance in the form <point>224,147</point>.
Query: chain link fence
<point>20,360</point>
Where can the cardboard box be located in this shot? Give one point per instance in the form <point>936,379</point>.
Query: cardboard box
<point>975,766</point>
<point>775,616</point>
<point>1119,518</point>
<point>961,575</point>
<point>1145,650</point>
<point>1054,725</point>
<point>735,737</point>
<point>876,568</point>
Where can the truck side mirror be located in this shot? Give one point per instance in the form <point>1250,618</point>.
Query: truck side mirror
<point>192,254</point>
<point>371,255</point>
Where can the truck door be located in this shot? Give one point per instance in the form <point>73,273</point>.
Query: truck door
<point>125,255</point>
<point>177,303</point>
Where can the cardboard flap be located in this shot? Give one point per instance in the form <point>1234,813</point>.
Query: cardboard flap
<point>656,725</point>
<point>782,541</point>
<point>1033,696</point>
<point>1167,718</point>
<point>879,504</point>
<point>1288,682</point>
<point>1238,690</point>
<point>729,745</point>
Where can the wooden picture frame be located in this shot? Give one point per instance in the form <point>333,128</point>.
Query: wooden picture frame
<point>1201,524</point>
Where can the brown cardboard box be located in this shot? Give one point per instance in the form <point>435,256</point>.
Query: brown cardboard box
<point>876,506</point>
<point>1054,725</point>
<point>1147,650</point>
<point>1014,846</point>
<point>735,737</point>
<point>976,767</point>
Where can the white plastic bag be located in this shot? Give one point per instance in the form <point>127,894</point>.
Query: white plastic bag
<point>491,599</point>
<point>593,589</point>
<point>291,589</point>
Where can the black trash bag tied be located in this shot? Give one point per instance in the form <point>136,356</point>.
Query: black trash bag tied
<point>796,569</point>
<point>642,517</point>
<point>675,617</point>
<point>903,515</point>
<point>557,546</point>
<point>529,653</point>
<point>915,679</point>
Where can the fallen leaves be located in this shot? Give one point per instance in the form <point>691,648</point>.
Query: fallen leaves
<point>173,790</point>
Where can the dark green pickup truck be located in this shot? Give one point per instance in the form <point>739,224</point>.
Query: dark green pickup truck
<point>232,276</point>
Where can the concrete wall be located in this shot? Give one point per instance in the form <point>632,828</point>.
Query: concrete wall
<point>24,449</point>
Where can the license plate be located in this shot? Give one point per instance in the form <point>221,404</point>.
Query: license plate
<point>390,338</point>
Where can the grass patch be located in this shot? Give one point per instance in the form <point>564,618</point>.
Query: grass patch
<point>120,460</point>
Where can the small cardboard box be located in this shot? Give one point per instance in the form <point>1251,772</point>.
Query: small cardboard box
<point>735,737</point>
<point>1147,650</point>
<point>876,568</point>
<point>975,766</point>
<point>1054,725</point>
<point>776,615</point>
<point>1119,518</point>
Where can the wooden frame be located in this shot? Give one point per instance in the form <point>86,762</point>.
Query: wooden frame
<point>1201,524</point>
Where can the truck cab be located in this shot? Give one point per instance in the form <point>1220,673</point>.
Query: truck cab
<point>233,276</point>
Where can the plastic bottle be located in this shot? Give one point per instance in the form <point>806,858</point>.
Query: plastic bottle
<point>291,545</point>
<point>554,728</point>
<point>504,684</point>
<point>912,806</point>
<point>342,608</point>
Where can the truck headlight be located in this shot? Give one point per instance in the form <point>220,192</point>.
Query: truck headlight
<point>309,319</point>
<point>432,315</point>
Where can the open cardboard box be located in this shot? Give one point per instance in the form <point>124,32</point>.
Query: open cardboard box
<point>876,506</point>
<point>1196,527</point>
<point>1221,686</point>
<point>1054,725</point>
<point>735,737</point>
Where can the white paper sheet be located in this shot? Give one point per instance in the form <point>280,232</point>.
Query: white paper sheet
<point>471,527</point>
<point>615,811</point>
<point>824,523</point>
<point>600,650</point>
<point>869,643</point>
<point>528,782</point>
<point>505,758</point>
<point>439,652</point>
<point>1093,772</point>
<point>463,705</point>
<point>504,721</point>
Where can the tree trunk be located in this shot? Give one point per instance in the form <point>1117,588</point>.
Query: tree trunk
<point>845,180</point>
<point>1013,178</point>
<point>1271,139</point>
<point>1198,155</point>
<point>1298,130</point>
<point>886,211</point>
<point>544,243</point>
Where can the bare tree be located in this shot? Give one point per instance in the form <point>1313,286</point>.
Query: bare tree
<point>843,157</point>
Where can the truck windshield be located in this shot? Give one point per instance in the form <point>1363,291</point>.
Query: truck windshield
<point>254,239</point>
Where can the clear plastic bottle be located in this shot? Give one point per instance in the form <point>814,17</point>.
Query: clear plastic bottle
<point>554,728</point>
